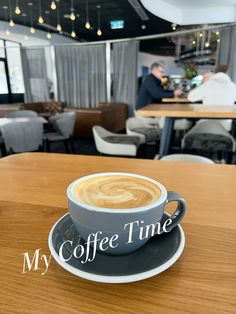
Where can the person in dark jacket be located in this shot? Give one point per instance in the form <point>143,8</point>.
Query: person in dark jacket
<point>152,91</point>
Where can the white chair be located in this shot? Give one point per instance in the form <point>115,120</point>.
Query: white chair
<point>214,130</point>
<point>186,158</point>
<point>109,143</point>
<point>21,114</point>
<point>153,121</point>
<point>179,125</point>
<point>22,136</point>
<point>64,124</point>
<point>146,132</point>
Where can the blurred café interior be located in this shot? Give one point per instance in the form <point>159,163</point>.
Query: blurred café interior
<point>137,78</point>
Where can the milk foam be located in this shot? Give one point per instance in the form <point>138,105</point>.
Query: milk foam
<point>117,191</point>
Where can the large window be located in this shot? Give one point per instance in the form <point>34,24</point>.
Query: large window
<point>11,76</point>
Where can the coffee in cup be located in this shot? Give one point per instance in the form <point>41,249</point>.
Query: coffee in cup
<point>117,191</point>
<point>116,202</point>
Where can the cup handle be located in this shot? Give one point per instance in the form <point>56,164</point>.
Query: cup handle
<point>179,212</point>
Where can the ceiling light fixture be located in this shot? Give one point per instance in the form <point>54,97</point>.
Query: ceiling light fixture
<point>173,26</point>
<point>72,10</point>
<point>73,34</point>
<point>53,5</point>
<point>6,18</point>
<point>17,9</point>
<point>99,32</point>
<point>87,24</point>
<point>59,28</point>
<point>11,22</point>
<point>24,19</point>
<point>49,35</point>
<point>32,30</point>
<point>40,19</point>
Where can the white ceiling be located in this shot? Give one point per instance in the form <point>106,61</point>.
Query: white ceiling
<point>186,12</point>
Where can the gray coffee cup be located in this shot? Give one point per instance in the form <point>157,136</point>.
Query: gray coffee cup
<point>107,222</point>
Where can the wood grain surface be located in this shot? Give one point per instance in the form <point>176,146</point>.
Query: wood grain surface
<point>32,198</point>
<point>175,100</point>
<point>189,110</point>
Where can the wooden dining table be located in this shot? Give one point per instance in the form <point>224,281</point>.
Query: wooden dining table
<point>33,197</point>
<point>175,100</point>
<point>172,112</point>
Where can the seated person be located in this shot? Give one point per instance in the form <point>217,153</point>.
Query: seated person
<point>218,89</point>
<point>152,90</point>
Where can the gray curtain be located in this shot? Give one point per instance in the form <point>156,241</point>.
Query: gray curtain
<point>35,74</point>
<point>81,75</point>
<point>125,55</point>
<point>227,50</point>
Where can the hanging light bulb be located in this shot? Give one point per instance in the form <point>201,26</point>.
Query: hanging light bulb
<point>194,42</point>
<point>87,24</point>
<point>26,37</point>
<point>8,33</point>
<point>99,32</point>
<point>53,5</point>
<point>40,20</point>
<point>217,33</point>
<point>201,34</point>
<point>72,16</point>
<point>49,36</point>
<point>207,44</point>
<point>11,23</point>
<point>73,34</point>
<point>218,40</point>
<point>59,27</point>
<point>32,30</point>
<point>173,26</point>
<point>72,10</point>
<point>17,9</point>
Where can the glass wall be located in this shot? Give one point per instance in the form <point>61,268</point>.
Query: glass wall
<point>11,76</point>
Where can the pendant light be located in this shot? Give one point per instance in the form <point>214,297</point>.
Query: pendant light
<point>99,32</point>
<point>17,9</point>
<point>87,24</point>
<point>40,19</point>
<point>11,22</point>
<point>72,10</point>
<point>53,5</point>
<point>73,34</point>
<point>32,30</point>
<point>7,32</point>
<point>49,35</point>
<point>59,28</point>
<point>24,18</point>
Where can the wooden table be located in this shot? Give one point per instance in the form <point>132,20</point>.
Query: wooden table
<point>32,198</point>
<point>175,100</point>
<point>171,112</point>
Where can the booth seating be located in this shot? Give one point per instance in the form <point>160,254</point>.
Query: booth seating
<point>44,108</point>
<point>111,116</point>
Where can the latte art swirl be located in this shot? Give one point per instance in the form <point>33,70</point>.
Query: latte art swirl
<point>117,191</point>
